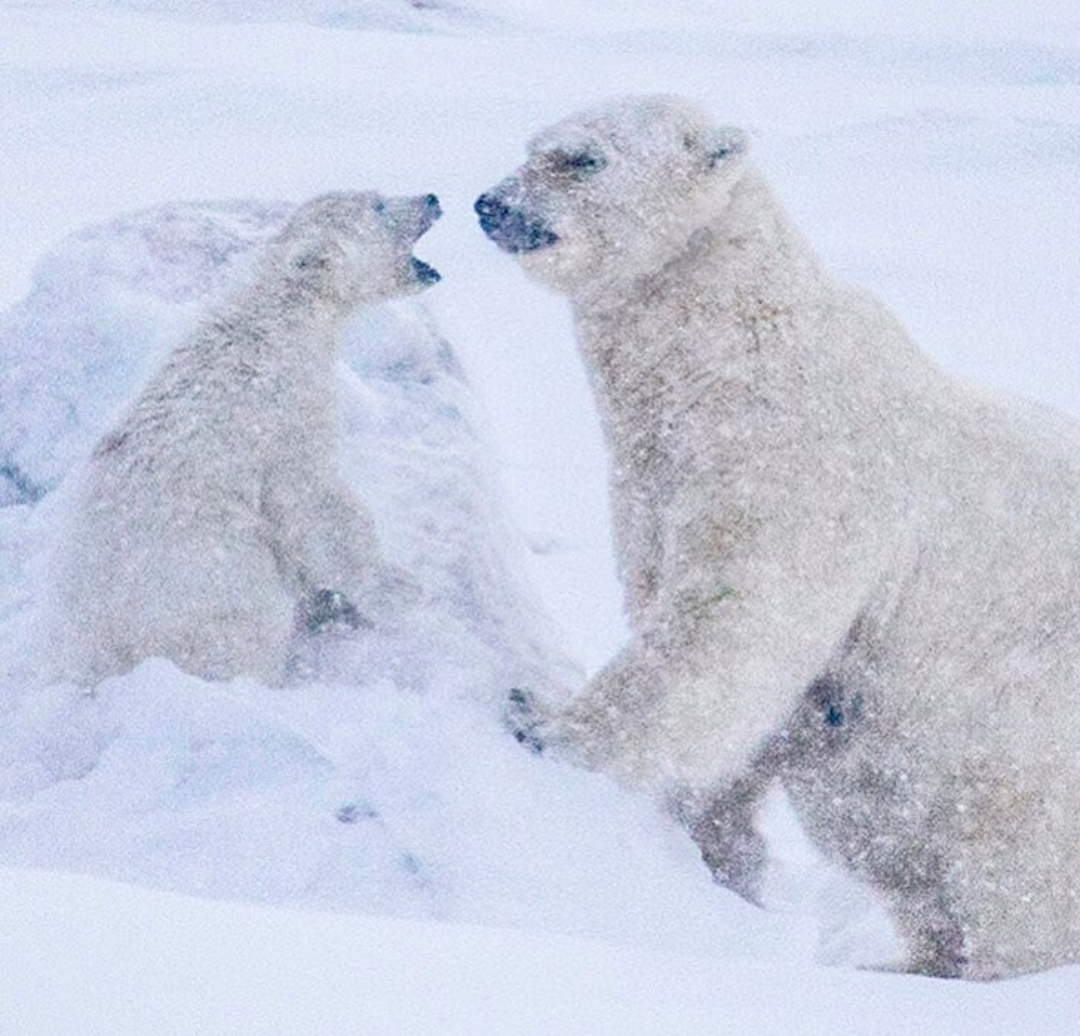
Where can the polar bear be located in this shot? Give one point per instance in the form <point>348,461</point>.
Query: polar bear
<point>210,519</point>
<point>841,567</point>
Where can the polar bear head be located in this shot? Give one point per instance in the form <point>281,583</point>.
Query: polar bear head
<point>355,248</point>
<point>611,194</point>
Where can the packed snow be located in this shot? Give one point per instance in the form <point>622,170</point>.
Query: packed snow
<point>928,154</point>
<point>127,962</point>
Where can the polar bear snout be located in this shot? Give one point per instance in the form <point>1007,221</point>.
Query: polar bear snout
<point>412,217</point>
<point>510,227</point>
<point>428,210</point>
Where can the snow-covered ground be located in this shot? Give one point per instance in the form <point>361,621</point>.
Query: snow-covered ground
<point>929,151</point>
<point>86,957</point>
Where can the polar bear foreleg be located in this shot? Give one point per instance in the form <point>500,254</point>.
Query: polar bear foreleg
<point>223,645</point>
<point>327,544</point>
<point>340,547</point>
<point>322,538</point>
<point>693,699</point>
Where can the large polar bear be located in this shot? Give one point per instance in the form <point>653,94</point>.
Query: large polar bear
<point>212,513</point>
<point>841,567</point>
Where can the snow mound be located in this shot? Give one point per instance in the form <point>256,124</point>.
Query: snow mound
<point>104,309</point>
<point>382,779</point>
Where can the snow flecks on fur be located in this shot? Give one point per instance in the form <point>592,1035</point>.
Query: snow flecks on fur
<point>843,568</point>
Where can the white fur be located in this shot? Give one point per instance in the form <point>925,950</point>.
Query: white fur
<point>841,567</point>
<point>213,508</point>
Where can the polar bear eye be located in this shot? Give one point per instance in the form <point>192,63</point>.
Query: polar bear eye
<point>578,163</point>
<point>717,146</point>
<point>378,206</point>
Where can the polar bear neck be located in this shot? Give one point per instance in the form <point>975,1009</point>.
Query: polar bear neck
<point>282,291</point>
<point>743,325</point>
<point>274,310</point>
<point>722,304</point>
<point>750,240</point>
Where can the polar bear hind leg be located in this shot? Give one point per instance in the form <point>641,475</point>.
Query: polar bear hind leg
<point>221,645</point>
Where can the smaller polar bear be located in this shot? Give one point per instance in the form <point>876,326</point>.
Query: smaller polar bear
<point>842,568</point>
<point>212,514</point>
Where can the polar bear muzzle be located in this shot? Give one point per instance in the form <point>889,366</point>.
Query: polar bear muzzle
<point>421,213</point>
<point>511,228</point>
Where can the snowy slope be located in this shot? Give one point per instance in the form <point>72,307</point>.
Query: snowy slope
<point>929,151</point>
<point>128,962</point>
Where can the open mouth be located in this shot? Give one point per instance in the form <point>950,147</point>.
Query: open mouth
<point>424,273</point>
<point>521,236</point>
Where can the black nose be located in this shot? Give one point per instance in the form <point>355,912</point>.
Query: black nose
<point>512,229</point>
<point>432,209</point>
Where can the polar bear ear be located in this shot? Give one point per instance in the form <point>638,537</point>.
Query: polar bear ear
<point>725,143</point>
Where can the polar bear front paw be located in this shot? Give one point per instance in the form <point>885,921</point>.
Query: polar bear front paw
<point>327,609</point>
<point>553,732</point>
